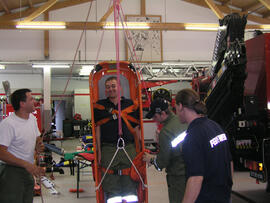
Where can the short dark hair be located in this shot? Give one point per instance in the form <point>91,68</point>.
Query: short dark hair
<point>191,99</point>
<point>110,78</point>
<point>18,96</point>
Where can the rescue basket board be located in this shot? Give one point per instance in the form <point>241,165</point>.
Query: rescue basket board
<point>131,89</point>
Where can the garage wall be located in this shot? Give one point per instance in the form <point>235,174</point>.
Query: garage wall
<point>82,103</point>
<point>77,99</point>
<point>182,45</point>
<point>23,45</point>
<point>35,83</point>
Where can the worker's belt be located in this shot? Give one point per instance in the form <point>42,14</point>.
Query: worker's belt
<point>120,172</point>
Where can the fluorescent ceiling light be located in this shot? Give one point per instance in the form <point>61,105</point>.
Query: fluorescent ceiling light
<point>202,28</point>
<point>127,25</point>
<point>41,25</point>
<point>86,70</point>
<point>49,66</point>
<point>265,27</point>
<point>2,67</point>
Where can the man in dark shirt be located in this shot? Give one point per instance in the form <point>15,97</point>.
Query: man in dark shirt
<point>117,183</point>
<point>206,152</point>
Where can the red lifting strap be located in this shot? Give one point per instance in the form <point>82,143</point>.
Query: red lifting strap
<point>125,171</point>
<point>126,119</point>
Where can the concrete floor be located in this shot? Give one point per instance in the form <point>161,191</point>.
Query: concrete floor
<point>243,184</point>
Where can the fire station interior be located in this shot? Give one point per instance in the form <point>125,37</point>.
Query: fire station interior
<point>53,46</point>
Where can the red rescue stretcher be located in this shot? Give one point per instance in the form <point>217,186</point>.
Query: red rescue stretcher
<point>131,85</point>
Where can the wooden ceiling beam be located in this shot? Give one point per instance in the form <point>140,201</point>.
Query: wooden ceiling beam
<point>266,14</point>
<point>225,2</point>
<point>67,3</point>
<point>27,12</point>
<point>266,3</point>
<point>30,3</point>
<point>227,10</point>
<point>214,8</point>
<point>143,9</point>
<point>4,4</point>
<point>46,38</point>
<point>40,10</point>
<point>17,15</point>
<point>252,7</point>
<point>108,13</point>
<point>99,25</point>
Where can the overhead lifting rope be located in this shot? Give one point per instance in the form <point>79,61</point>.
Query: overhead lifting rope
<point>64,92</point>
<point>132,50</point>
<point>116,7</point>
<point>120,142</point>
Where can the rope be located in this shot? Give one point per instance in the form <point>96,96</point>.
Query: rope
<point>97,188</point>
<point>116,24</point>
<point>73,62</point>
<point>121,140</point>
<point>144,185</point>
<point>117,7</point>
<point>133,52</point>
<point>70,75</point>
<point>101,39</point>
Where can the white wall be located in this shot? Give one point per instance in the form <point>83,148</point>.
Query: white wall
<point>184,45</point>
<point>23,45</point>
<point>35,83</point>
<point>32,81</point>
<point>82,103</point>
<point>77,99</point>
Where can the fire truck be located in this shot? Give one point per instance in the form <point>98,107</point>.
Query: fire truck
<point>237,95</point>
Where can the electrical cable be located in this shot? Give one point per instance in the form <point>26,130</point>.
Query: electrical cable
<point>70,75</point>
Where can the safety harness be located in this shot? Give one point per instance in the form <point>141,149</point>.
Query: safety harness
<point>126,118</point>
<point>125,172</point>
